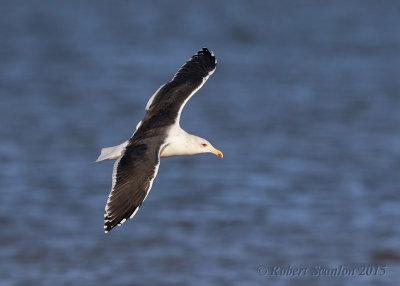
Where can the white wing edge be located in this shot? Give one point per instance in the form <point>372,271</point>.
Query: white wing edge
<point>152,97</point>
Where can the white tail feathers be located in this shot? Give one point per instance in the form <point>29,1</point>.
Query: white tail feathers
<point>112,153</point>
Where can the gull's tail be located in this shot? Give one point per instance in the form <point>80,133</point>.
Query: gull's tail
<point>112,153</point>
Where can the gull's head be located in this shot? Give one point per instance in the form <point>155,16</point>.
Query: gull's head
<point>205,147</point>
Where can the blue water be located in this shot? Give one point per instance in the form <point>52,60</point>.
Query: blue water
<point>304,104</point>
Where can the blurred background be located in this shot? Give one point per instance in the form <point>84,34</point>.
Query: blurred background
<point>304,104</point>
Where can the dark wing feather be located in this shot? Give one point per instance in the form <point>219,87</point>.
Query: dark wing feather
<point>197,67</point>
<point>133,175</point>
<point>167,103</point>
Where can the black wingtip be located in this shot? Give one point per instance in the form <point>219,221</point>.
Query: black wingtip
<point>108,226</point>
<point>110,223</point>
<point>206,52</point>
<point>198,67</point>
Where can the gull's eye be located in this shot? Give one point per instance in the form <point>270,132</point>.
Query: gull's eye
<point>204,145</point>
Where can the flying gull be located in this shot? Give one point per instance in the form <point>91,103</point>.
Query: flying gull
<point>158,135</point>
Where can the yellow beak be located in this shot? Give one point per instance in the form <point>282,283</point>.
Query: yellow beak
<point>218,153</point>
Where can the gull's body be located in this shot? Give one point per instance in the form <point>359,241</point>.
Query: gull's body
<point>158,135</point>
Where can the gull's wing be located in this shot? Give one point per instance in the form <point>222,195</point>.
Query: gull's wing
<point>132,178</point>
<point>166,105</point>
